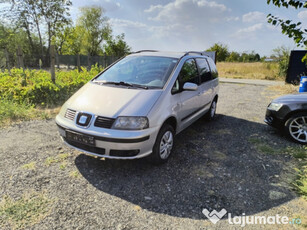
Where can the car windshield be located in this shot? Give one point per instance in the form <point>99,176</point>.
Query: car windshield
<point>139,71</point>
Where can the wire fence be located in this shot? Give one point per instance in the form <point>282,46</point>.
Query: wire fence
<point>53,60</point>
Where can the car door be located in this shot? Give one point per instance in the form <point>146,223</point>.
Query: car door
<point>206,85</point>
<point>189,100</point>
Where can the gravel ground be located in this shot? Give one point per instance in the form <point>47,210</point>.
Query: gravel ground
<point>215,165</point>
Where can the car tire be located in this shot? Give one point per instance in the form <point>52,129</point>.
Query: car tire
<point>296,127</point>
<point>212,111</point>
<point>163,146</point>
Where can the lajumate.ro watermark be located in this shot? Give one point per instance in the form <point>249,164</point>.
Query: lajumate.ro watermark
<point>244,220</point>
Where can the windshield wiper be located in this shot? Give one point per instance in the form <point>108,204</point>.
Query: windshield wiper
<point>123,84</point>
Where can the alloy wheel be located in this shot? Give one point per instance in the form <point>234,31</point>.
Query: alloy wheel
<point>298,129</point>
<point>166,144</point>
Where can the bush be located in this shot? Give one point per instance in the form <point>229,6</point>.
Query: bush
<point>23,90</point>
<point>282,54</point>
<point>34,87</point>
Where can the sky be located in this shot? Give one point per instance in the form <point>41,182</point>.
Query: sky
<point>182,25</point>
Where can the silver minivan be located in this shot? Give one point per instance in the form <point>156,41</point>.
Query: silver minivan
<point>135,107</point>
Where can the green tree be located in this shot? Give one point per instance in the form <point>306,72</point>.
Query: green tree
<point>117,47</point>
<point>69,41</point>
<point>282,55</point>
<point>56,16</point>
<point>11,38</point>
<point>35,16</point>
<point>291,29</point>
<point>24,14</point>
<point>96,28</point>
<point>233,57</point>
<point>257,57</point>
<point>221,50</point>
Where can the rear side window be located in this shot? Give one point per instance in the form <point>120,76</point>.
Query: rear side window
<point>204,71</point>
<point>214,72</point>
<point>188,73</point>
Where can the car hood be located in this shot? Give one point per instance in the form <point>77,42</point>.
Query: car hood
<point>292,98</point>
<point>109,101</point>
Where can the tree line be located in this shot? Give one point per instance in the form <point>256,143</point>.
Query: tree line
<point>223,54</point>
<point>35,25</point>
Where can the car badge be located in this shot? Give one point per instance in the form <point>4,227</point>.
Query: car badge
<point>83,119</point>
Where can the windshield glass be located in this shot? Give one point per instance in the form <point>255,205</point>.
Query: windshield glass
<point>152,72</point>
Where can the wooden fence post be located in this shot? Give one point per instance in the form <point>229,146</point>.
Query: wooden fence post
<point>7,57</point>
<point>104,65</point>
<point>57,60</point>
<point>78,63</point>
<point>20,58</point>
<point>89,62</point>
<point>52,63</point>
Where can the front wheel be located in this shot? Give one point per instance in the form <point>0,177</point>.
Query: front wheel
<point>163,146</point>
<point>296,128</point>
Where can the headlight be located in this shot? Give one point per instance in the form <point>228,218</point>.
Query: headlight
<point>275,106</point>
<point>131,123</point>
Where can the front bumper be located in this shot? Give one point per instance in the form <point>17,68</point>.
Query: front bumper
<point>272,118</point>
<point>109,143</point>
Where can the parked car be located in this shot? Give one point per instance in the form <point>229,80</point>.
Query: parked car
<point>135,107</point>
<point>289,113</point>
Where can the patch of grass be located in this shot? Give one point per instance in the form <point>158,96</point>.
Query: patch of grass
<point>29,166</point>
<point>300,184</point>
<point>25,211</point>
<point>75,174</point>
<point>50,160</point>
<point>298,152</point>
<point>223,132</point>
<point>254,140</point>
<point>201,171</point>
<point>63,165</point>
<point>283,89</point>
<point>59,158</point>
<point>256,70</point>
<point>11,112</point>
<point>262,146</point>
<point>63,156</point>
<point>267,149</point>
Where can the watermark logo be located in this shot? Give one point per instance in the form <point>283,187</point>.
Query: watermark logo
<point>244,220</point>
<point>214,216</point>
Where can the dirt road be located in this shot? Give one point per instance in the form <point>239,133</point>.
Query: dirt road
<point>225,163</point>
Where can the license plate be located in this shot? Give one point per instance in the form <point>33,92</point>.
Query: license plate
<point>80,138</point>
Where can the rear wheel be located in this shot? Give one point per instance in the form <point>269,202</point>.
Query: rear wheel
<point>296,127</point>
<point>211,113</point>
<point>164,144</point>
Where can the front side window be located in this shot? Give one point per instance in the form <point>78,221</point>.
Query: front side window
<point>147,71</point>
<point>189,73</point>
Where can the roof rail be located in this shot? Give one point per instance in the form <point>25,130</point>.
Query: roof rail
<point>194,52</point>
<point>211,54</point>
<point>140,51</point>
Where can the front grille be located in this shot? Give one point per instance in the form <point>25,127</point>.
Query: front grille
<point>88,148</point>
<point>104,122</point>
<point>70,114</point>
<point>124,153</point>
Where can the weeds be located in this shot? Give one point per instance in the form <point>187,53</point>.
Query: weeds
<point>257,70</point>
<point>75,174</point>
<point>29,166</point>
<point>300,184</point>
<point>59,158</point>
<point>25,211</point>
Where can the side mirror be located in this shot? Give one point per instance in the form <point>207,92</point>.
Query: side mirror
<point>190,86</point>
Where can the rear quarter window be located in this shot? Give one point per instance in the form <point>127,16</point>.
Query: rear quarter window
<point>214,72</point>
